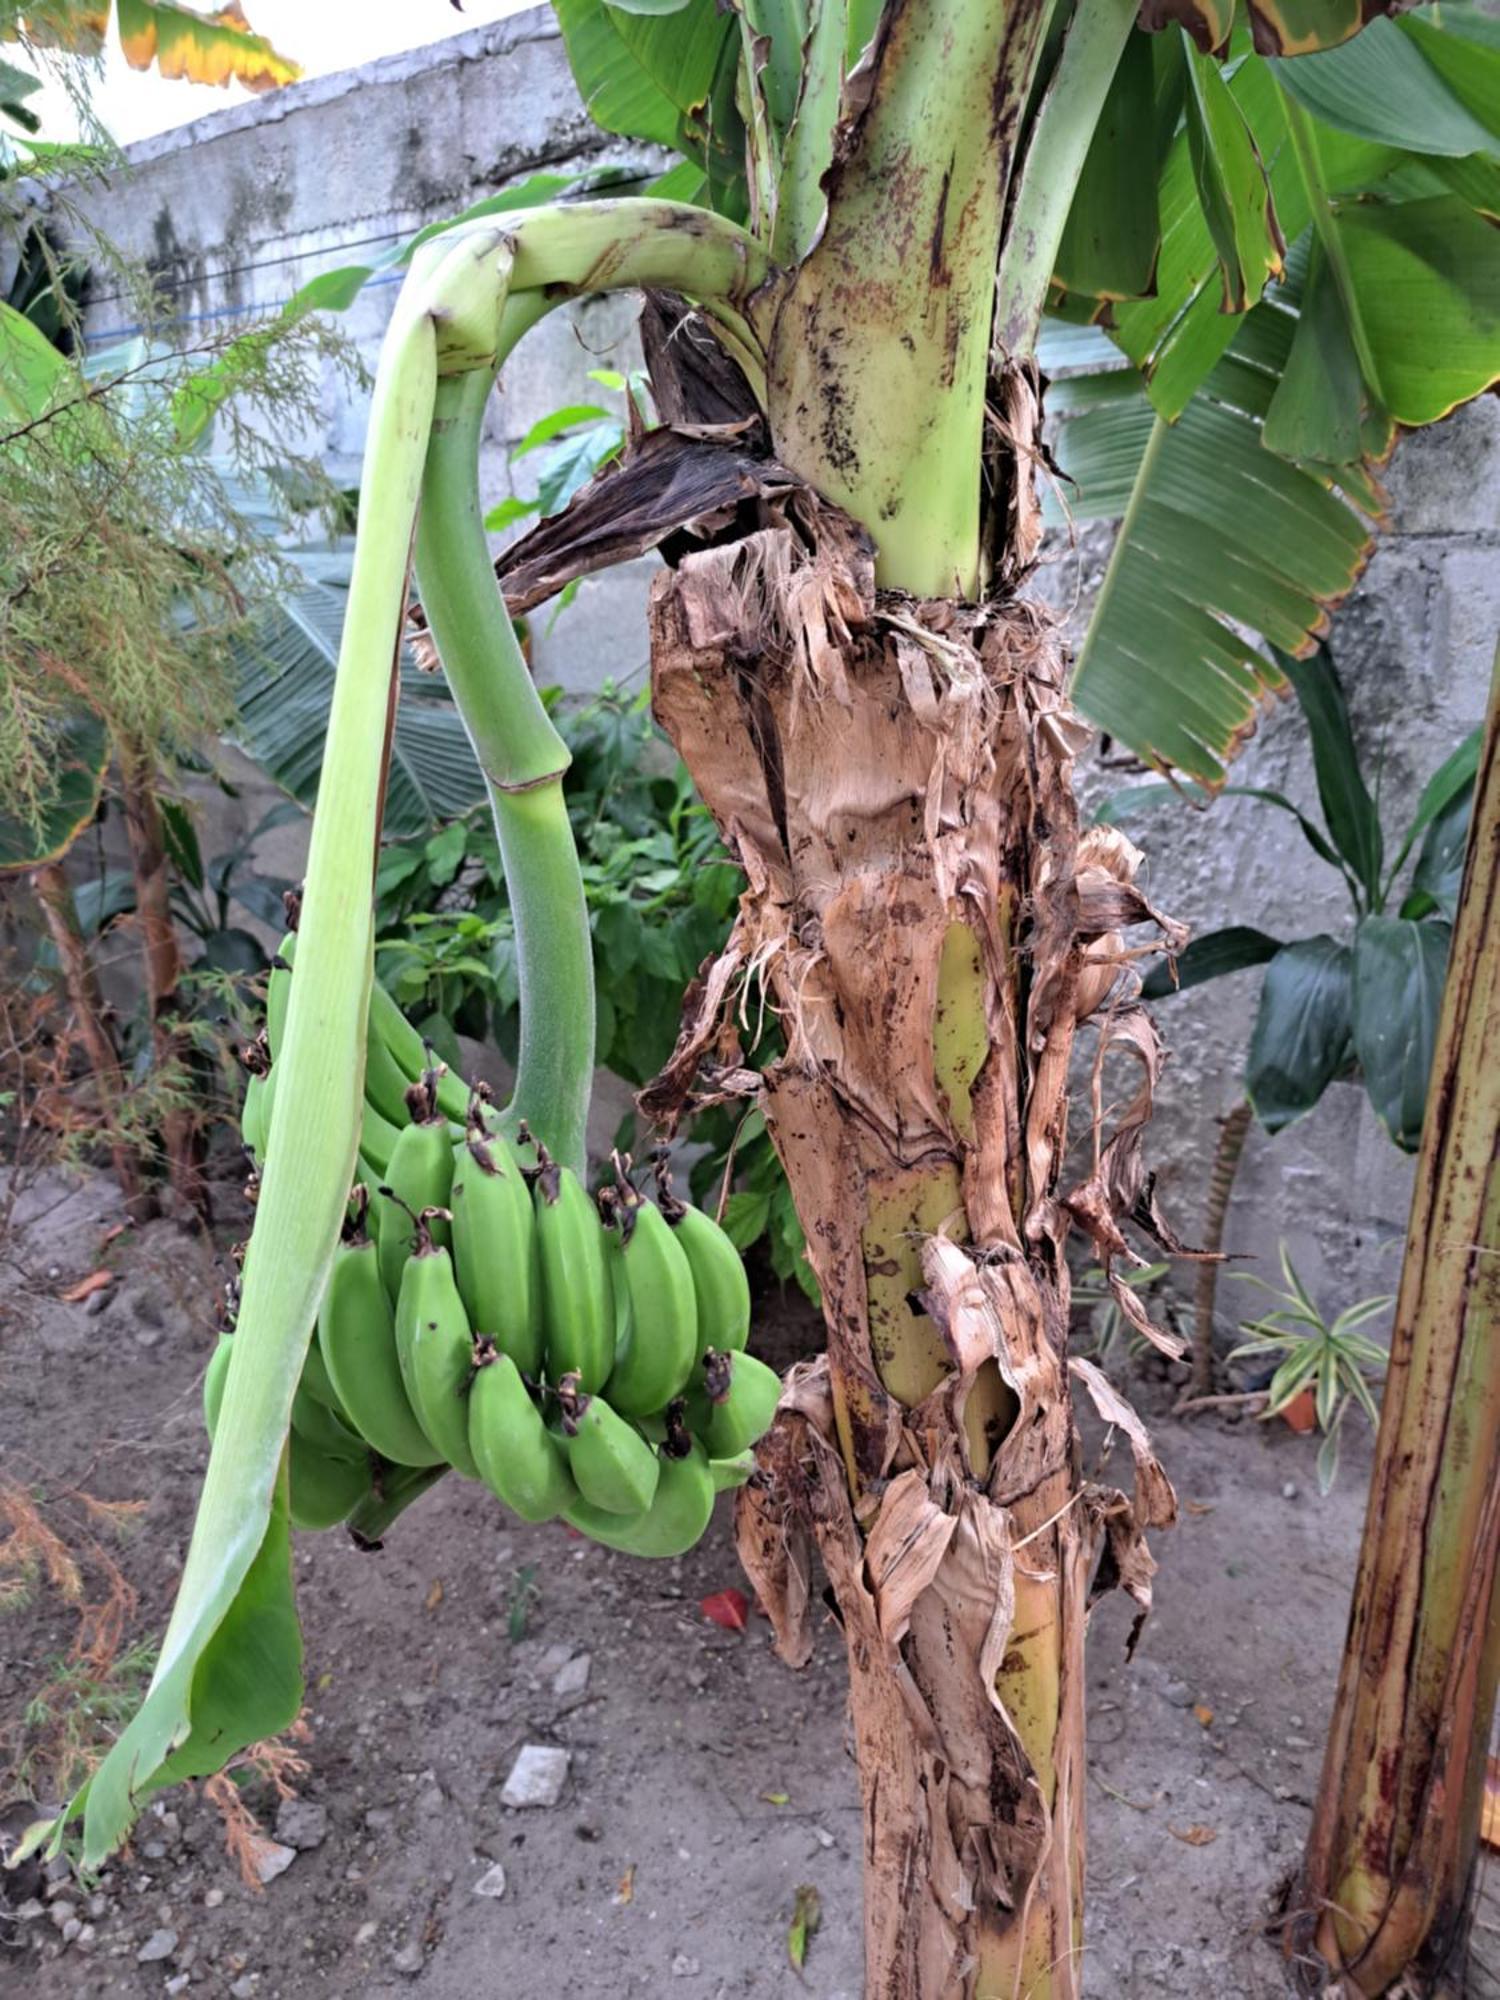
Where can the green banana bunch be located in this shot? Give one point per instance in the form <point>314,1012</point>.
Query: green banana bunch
<point>522,1462</point>
<point>435,1346</point>
<point>655,1301</point>
<point>496,1256</point>
<point>578,1306</point>
<point>483,1313</point>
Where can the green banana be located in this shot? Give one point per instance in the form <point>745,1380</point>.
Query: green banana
<point>436,1348</point>
<point>317,1381</point>
<point>253,1118</point>
<point>357,1336</point>
<point>213,1382</point>
<point>673,1522</point>
<point>611,1463</point>
<point>737,1403</point>
<point>418,1175</point>
<point>324,1490</point>
<point>377,1138</point>
<point>386,1083</point>
<point>279,993</point>
<point>658,1309</point>
<point>392,1491</point>
<point>387,1024</point>
<point>720,1285</point>
<point>519,1459</point>
<point>327,1434</point>
<point>578,1309</point>
<point>495,1251</point>
<point>730,1472</point>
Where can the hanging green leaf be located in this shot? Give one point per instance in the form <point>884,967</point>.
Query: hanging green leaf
<point>1113,232</point>
<point>1384,86</point>
<point>1317,414</point>
<point>1438,875</point>
<point>1348,809</point>
<point>1399,968</point>
<point>639,72</point>
<point>1233,190</point>
<point>1302,1029</point>
<point>1220,539</point>
<point>1211,956</point>
<point>1426,275</point>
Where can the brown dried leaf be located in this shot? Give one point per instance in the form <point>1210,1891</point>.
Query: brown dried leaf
<point>96,1281</point>
<point>903,1551</point>
<point>1193,1836</point>
<point>1155,1502</point>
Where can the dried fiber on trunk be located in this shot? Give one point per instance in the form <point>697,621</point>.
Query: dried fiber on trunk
<point>894,776</point>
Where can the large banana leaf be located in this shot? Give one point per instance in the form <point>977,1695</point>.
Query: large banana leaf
<point>285,663</point>
<point>183,42</point>
<point>1221,540</point>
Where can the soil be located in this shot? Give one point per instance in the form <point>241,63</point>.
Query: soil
<point>706,1783</point>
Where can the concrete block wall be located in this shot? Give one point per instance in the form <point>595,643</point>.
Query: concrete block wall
<point>239,209</point>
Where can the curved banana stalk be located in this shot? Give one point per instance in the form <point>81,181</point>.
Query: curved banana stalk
<point>454,315</point>
<point>523,759</point>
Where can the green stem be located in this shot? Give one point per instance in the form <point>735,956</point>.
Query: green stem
<point>523,759</point>
<point>1056,149</point>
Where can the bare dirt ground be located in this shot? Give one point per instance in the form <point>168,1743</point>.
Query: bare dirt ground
<point>706,1783</point>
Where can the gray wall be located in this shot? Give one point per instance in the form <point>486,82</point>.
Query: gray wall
<point>242,207</point>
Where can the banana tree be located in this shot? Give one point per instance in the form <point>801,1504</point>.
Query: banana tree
<point>846,280</point>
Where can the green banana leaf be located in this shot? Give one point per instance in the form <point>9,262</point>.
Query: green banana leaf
<point>1220,538</point>
<point>285,664</point>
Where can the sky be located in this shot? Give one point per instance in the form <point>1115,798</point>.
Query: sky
<point>321,35</point>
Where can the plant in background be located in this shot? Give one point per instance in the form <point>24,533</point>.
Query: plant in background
<point>875,716</point>
<point>1329,1360</point>
<point>1364,1005</point>
<point>127,567</point>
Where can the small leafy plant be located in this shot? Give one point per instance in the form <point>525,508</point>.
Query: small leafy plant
<point>1332,1359</point>
<point>1365,1003</point>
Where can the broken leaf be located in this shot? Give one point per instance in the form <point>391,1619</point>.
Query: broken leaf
<point>626,1891</point>
<point>776,1798</point>
<point>807,1914</point>
<point>1204,1713</point>
<point>1193,1836</point>
<point>728,1608</point>
<point>434,1595</point>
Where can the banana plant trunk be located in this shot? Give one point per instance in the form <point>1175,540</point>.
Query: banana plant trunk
<point>1390,1860</point>
<point>876,719</point>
